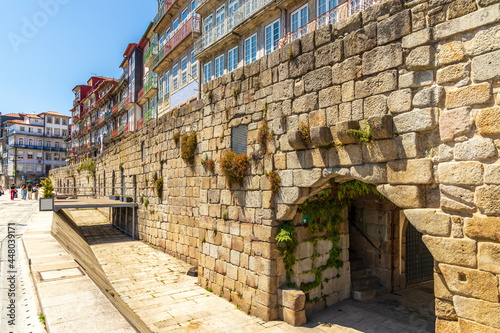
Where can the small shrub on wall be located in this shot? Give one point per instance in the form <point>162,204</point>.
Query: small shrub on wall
<point>188,147</point>
<point>234,166</point>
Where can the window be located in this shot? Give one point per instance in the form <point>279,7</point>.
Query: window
<point>30,155</point>
<point>233,4</point>
<point>57,121</point>
<point>22,128</point>
<point>207,27</point>
<point>30,130</point>
<point>39,131</point>
<point>31,142</point>
<point>194,66</point>
<point>49,120</point>
<point>20,167</point>
<point>167,85</point>
<point>232,59</point>
<point>219,66</point>
<point>175,77</point>
<point>193,5</point>
<point>21,141</point>
<point>176,25</point>
<point>272,32</point>
<point>326,6</point>
<point>57,131</point>
<point>219,20</point>
<point>48,156</point>
<point>65,121</point>
<point>57,144</point>
<point>39,168</point>
<point>39,155</point>
<point>251,49</point>
<point>160,93</point>
<point>20,154</point>
<point>40,143</point>
<point>184,70</point>
<point>29,167</point>
<point>184,16</point>
<point>207,72</point>
<point>64,133</point>
<point>49,132</point>
<point>239,139</point>
<point>57,157</point>
<point>49,144</point>
<point>167,36</point>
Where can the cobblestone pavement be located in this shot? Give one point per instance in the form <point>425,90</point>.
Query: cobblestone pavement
<point>18,300</point>
<point>156,287</point>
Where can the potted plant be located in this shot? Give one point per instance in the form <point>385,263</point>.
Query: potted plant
<point>46,201</point>
<point>126,199</point>
<point>114,197</point>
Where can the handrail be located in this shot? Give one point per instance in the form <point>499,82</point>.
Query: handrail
<point>369,241</point>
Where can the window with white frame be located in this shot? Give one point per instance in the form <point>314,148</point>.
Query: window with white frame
<point>193,6</point>
<point>21,141</point>
<point>325,11</point>
<point>29,167</point>
<point>30,155</point>
<point>176,25</point>
<point>219,19</point>
<point>232,59</point>
<point>49,144</point>
<point>20,154</point>
<point>39,131</point>
<point>219,66</point>
<point>184,70</point>
<point>48,156</point>
<point>65,121</point>
<point>184,16</point>
<point>20,167</point>
<point>31,142</point>
<point>49,120</point>
<point>233,4</point>
<point>207,72</point>
<point>160,93</point>
<point>251,49</point>
<point>22,128</point>
<point>57,144</point>
<point>40,143</point>
<point>39,155</point>
<point>194,66</point>
<point>207,27</point>
<point>57,156</point>
<point>175,76</point>
<point>57,120</point>
<point>167,85</point>
<point>30,130</point>
<point>39,168</point>
<point>272,32</point>
<point>57,131</point>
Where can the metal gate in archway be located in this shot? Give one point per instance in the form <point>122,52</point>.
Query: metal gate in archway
<point>419,261</point>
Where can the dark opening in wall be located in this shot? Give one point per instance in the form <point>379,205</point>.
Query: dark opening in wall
<point>239,137</point>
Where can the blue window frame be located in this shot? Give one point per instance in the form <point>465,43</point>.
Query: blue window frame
<point>194,66</point>
<point>219,66</point>
<point>272,32</point>
<point>232,59</point>
<point>251,49</point>
<point>207,72</point>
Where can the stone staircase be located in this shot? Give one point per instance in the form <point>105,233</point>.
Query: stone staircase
<point>364,285</point>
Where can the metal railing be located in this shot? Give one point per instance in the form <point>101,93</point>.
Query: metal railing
<point>23,146</point>
<point>163,10</point>
<point>140,123</point>
<point>218,31</point>
<point>140,94</point>
<point>150,53</point>
<point>334,15</point>
<point>95,192</point>
<point>107,137</point>
<point>192,25</point>
<point>123,79</point>
<point>150,82</point>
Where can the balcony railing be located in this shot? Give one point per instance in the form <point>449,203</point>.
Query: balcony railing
<point>222,29</point>
<point>123,79</point>
<point>140,94</point>
<point>336,14</point>
<point>150,82</point>
<point>120,129</point>
<point>23,146</point>
<point>107,137</point>
<point>121,104</point>
<point>126,101</point>
<point>14,131</point>
<point>114,133</point>
<point>163,10</point>
<point>192,25</point>
<point>107,115</point>
<point>150,113</point>
<point>114,109</point>
<point>150,53</point>
<point>140,123</point>
<point>126,129</point>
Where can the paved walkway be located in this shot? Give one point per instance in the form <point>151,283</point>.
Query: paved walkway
<point>70,300</point>
<point>156,287</point>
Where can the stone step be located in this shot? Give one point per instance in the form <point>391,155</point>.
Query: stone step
<point>364,283</point>
<point>367,294</point>
<point>360,272</point>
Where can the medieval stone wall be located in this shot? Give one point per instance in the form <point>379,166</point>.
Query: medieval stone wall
<point>423,74</point>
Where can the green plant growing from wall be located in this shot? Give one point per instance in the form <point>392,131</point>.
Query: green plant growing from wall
<point>225,215</point>
<point>263,136</point>
<point>234,167</point>
<point>159,187</point>
<point>236,92</point>
<point>208,163</point>
<point>142,199</point>
<point>324,212</point>
<point>290,53</point>
<point>188,147</point>
<point>363,135</point>
<point>121,167</point>
<point>48,188</point>
<point>146,203</point>
<point>305,133</point>
<point>87,165</point>
<point>275,181</point>
<point>176,137</point>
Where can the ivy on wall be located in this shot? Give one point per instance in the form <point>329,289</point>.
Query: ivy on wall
<point>89,166</point>
<point>324,212</point>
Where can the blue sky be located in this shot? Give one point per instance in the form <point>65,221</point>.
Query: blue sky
<point>50,46</point>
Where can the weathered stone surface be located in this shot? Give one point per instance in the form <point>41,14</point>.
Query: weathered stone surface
<point>483,228</point>
<point>380,151</point>
<point>416,79</point>
<point>375,106</point>
<point>470,95</point>
<point>457,198</point>
<point>420,58</point>
<point>488,257</point>
<point>486,66</point>
<point>403,196</point>
<point>429,221</point>
<point>295,140</point>
<point>468,22</point>
<point>330,96</point>
<point>484,40</point>
<point>381,9</point>
<point>348,91</point>
<point>440,288</point>
<point>483,312</point>
<point>408,145</point>
<point>410,171</point>
<point>453,123</point>
<point>445,310</point>
<point>382,58</point>
<point>461,173</point>
<point>399,101</point>
<point>452,73</point>
<point>488,199</point>
<point>417,38</point>
<point>292,299</point>
<point>323,35</point>
<point>382,83</point>
<point>290,195</point>
<point>321,136</point>
<point>318,79</point>
<point>466,326</point>
<point>294,318</point>
<point>470,282</point>
<point>306,178</point>
<point>449,53</point>
<point>381,127</point>
<point>433,96</point>
<point>447,326</point>
<point>347,70</point>
<point>342,129</point>
<point>415,121</point>
<point>348,155</point>
<point>285,212</point>
<point>370,173</point>
<point>487,121</point>
<point>451,250</point>
<point>475,149</point>
<point>492,174</point>
<point>461,7</point>
<point>360,40</point>
<point>328,54</point>
<point>393,27</point>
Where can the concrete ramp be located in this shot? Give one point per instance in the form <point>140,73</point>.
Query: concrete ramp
<point>68,233</point>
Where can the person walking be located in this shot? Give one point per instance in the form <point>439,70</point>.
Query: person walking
<point>1,190</point>
<point>24,191</point>
<point>30,191</point>
<point>12,191</point>
<point>36,189</point>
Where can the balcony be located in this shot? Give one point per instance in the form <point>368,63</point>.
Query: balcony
<point>14,131</point>
<point>150,84</point>
<point>114,133</point>
<point>121,104</point>
<point>120,129</point>
<point>23,146</point>
<point>126,129</point>
<point>150,54</point>
<point>75,119</point>
<point>114,109</point>
<point>175,46</point>
<point>123,79</point>
<point>150,113</point>
<point>161,20</point>
<point>229,24</point>
<point>107,137</point>
<point>128,102</point>
<point>107,115</point>
<point>99,120</point>
<point>140,123</point>
<point>336,14</point>
<point>140,94</point>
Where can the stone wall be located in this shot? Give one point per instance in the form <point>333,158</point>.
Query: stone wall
<point>423,74</point>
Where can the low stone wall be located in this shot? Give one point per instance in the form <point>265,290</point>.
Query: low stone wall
<point>423,74</point>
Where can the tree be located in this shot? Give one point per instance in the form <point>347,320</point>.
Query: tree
<point>48,188</point>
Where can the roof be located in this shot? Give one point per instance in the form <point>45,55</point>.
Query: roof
<point>16,121</point>
<point>12,115</point>
<point>53,113</point>
<point>27,115</point>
